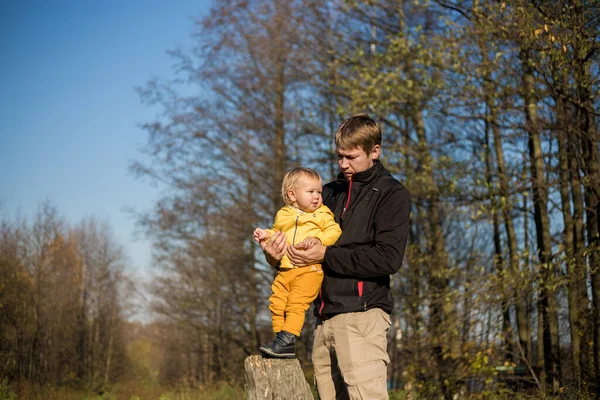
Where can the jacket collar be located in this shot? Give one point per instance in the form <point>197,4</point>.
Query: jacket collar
<point>293,211</point>
<point>364,177</point>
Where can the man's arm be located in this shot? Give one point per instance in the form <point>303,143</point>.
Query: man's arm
<point>384,256</point>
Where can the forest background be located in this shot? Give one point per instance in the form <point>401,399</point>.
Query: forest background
<point>490,117</point>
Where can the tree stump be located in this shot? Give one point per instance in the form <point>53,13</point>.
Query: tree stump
<point>276,379</point>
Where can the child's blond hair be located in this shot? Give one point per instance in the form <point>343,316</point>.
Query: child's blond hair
<point>290,179</point>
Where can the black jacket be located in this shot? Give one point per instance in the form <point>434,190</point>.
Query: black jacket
<point>374,234</point>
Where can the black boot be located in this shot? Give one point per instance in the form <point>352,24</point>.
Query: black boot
<point>283,346</point>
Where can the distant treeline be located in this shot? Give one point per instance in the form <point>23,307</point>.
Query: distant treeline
<point>66,297</point>
<point>62,292</point>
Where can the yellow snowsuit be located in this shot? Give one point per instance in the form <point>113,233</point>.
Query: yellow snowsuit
<point>295,288</point>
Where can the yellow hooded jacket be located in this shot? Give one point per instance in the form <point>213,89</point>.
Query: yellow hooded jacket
<point>298,225</point>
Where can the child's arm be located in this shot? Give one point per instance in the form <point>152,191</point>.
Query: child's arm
<point>261,235</point>
<point>330,230</point>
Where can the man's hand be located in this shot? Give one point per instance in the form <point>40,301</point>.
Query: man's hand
<point>275,248</point>
<point>303,257</point>
<point>309,243</point>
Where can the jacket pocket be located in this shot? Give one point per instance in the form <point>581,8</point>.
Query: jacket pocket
<point>368,288</point>
<point>339,294</point>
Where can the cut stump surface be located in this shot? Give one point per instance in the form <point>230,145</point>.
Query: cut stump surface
<point>277,379</point>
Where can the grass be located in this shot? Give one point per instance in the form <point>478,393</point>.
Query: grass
<point>122,391</point>
<point>147,391</point>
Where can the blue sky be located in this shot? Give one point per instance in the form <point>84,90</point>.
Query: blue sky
<point>69,111</point>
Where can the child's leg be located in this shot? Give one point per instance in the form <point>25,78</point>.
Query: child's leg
<point>304,289</point>
<point>279,299</point>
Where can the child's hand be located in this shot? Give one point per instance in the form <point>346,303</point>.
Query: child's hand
<point>309,242</point>
<point>260,235</point>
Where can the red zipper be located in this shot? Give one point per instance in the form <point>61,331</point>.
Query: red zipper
<point>348,199</point>
<point>322,302</point>
<point>360,288</point>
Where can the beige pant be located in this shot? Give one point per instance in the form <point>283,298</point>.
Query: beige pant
<point>350,356</point>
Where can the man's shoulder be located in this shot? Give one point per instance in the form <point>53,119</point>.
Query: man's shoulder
<point>386,180</point>
<point>323,209</point>
<point>336,186</point>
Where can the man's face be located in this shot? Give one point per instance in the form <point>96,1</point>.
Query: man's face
<point>356,160</point>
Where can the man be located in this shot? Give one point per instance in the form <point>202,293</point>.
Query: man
<point>372,208</point>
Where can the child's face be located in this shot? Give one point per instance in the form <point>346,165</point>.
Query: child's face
<point>306,194</point>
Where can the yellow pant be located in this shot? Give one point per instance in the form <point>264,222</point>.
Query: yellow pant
<point>293,291</point>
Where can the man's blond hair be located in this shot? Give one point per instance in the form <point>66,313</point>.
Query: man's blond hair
<point>290,179</point>
<point>358,130</point>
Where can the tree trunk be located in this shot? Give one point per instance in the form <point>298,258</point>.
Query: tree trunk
<point>276,379</point>
<point>443,308</point>
<point>506,202</point>
<point>111,339</point>
<point>583,69</point>
<point>498,259</point>
<point>513,251</point>
<point>82,325</point>
<point>547,301</point>
<point>279,147</point>
<point>570,189</point>
<point>578,254</point>
<point>528,290</point>
<point>568,248</point>
<point>591,159</point>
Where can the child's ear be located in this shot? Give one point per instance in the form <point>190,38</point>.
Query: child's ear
<point>291,195</point>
